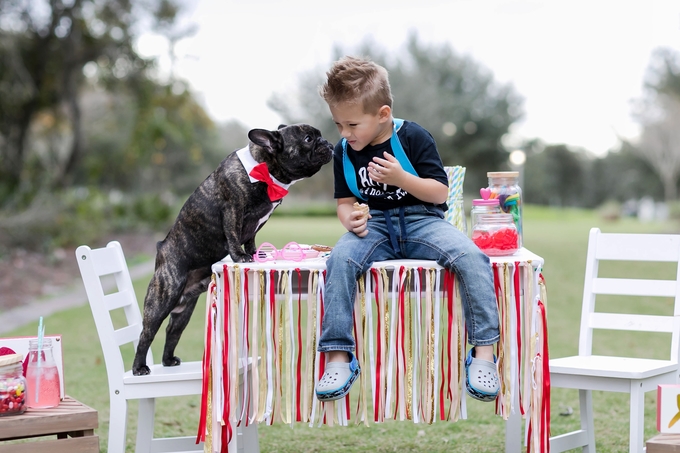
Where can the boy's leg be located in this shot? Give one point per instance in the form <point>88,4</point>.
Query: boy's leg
<point>350,257</point>
<point>435,239</point>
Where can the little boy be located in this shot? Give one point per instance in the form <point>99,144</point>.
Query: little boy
<point>407,196</point>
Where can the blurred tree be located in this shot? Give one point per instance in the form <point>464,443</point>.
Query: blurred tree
<point>452,96</point>
<point>621,175</point>
<point>556,177</point>
<point>45,48</point>
<point>659,115</point>
<point>233,135</point>
<point>560,176</point>
<point>165,144</point>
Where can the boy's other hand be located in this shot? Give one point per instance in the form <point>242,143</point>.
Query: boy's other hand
<point>386,171</point>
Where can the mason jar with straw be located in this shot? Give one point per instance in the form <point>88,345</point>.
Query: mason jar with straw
<point>42,375</point>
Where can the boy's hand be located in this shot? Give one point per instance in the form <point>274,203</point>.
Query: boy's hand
<point>353,216</point>
<point>358,220</point>
<point>387,170</point>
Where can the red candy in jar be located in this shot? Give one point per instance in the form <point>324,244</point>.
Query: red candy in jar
<point>12,385</point>
<point>496,234</point>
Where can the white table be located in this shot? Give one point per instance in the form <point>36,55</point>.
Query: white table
<point>406,330</point>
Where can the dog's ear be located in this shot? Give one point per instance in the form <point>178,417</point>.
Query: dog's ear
<point>281,126</point>
<point>269,140</point>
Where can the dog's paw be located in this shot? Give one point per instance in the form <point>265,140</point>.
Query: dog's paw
<point>174,361</point>
<point>141,370</point>
<point>243,258</point>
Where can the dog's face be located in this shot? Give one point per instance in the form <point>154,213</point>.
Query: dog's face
<point>291,152</point>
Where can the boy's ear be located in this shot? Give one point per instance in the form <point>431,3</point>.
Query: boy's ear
<point>385,113</point>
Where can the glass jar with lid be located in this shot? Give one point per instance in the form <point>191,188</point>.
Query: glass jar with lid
<point>504,185</point>
<point>482,206</point>
<point>12,385</point>
<point>496,234</point>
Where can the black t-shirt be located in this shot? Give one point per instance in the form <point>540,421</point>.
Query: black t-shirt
<point>421,150</point>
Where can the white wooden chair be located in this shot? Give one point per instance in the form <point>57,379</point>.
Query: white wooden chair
<point>587,372</point>
<point>185,379</point>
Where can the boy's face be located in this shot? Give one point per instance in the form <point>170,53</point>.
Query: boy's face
<point>361,129</point>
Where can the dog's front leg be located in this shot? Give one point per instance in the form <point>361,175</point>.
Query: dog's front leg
<point>250,247</point>
<point>233,226</point>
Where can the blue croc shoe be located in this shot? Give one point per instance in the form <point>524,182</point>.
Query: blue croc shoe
<point>337,379</point>
<point>481,378</point>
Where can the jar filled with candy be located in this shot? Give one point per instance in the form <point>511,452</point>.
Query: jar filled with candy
<point>496,234</point>
<point>505,187</point>
<point>481,206</point>
<point>12,385</point>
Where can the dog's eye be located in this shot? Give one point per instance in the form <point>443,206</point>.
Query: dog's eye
<point>308,138</point>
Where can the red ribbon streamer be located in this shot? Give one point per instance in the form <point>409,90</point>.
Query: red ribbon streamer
<point>378,365</point>
<point>299,356</point>
<point>518,312</point>
<point>207,357</point>
<point>226,413</point>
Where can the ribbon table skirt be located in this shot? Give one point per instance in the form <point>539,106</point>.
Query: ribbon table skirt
<point>263,324</point>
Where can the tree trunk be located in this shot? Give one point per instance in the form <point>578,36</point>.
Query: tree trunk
<point>670,188</point>
<point>73,161</point>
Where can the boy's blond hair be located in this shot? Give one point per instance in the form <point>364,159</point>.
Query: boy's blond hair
<point>357,81</point>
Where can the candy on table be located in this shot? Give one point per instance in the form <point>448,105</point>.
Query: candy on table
<point>501,242</point>
<point>12,387</point>
<point>12,397</point>
<point>509,202</point>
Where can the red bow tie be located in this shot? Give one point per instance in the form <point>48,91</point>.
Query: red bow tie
<point>261,173</point>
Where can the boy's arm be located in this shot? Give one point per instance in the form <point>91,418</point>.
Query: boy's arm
<point>353,220</point>
<point>389,171</point>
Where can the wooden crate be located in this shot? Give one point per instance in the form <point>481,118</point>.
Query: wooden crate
<point>664,443</point>
<point>71,422</point>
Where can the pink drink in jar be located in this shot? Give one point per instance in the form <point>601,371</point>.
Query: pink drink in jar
<point>46,393</point>
<point>42,376</point>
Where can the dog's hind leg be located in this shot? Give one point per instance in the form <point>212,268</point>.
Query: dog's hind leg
<point>178,322</point>
<point>162,296</point>
<point>179,317</point>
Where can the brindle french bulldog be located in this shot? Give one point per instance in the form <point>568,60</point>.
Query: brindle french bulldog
<point>221,218</point>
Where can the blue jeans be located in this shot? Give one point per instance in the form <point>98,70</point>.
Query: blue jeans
<point>418,232</point>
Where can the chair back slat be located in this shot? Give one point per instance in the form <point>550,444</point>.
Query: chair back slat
<point>638,247</point>
<point>121,299</point>
<point>106,261</point>
<point>634,287</point>
<point>662,248</point>
<point>636,323</point>
<point>125,335</point>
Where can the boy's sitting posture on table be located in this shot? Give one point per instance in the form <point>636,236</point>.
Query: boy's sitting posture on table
<point>407,196</point>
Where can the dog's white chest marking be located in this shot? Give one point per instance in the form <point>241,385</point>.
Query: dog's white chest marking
<point>267,215</point>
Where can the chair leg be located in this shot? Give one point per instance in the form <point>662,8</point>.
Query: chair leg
<point>248,441</point>
<point>637,418</point>
<point>117,424</point>
<point>587,424</point>
<point>145,424</point>
<point>246,437</point>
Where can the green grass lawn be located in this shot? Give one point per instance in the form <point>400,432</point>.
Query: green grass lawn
<point>560,236</point>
